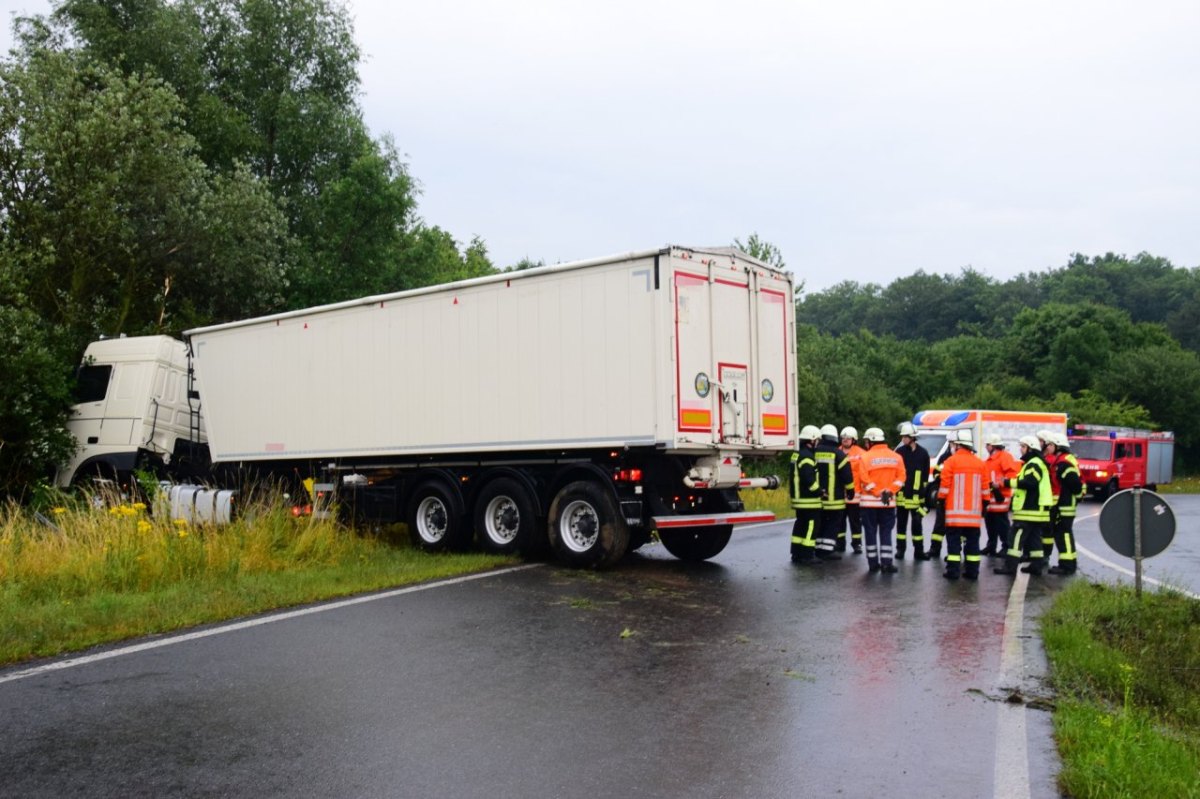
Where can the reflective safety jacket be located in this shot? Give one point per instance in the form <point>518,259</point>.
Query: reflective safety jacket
<point>1052,463</point>
<point>882,470</point>
<point>964,489</point>
<point>805,483</point>
<point>916,471</point>
<point>1070,483</point>
<point>854,454</point>
<point>836,477</point>
<point>1003,467</point>
<point>1032,499</point>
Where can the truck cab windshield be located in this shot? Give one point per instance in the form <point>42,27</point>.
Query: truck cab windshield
<point>1092,450</point>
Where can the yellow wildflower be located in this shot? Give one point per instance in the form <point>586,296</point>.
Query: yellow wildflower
<point>58,511</point>
<point>143,526</point>
<point>183,533</point>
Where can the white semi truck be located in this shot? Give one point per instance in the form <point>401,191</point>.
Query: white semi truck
<point>578,406</point>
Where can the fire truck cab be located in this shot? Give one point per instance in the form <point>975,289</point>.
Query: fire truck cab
<point>1112,459</point>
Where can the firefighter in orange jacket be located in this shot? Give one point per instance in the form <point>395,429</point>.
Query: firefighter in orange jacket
<point>883,479</point>
<point>964,490</point>
<point>1002,468</point>
<point>854,455</point>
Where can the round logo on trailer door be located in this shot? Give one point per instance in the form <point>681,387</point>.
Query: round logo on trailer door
<point>702,384</point>
<point>768,391</point>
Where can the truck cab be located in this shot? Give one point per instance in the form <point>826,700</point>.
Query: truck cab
<point>132,409</point>
<point>1112,459</point>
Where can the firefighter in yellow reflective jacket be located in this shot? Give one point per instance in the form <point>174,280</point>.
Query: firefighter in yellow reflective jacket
<point>837,481</point>
<point>1031,503</point>
<point>910,502</point>
<point>1070,489</point>
<point>806,497</point>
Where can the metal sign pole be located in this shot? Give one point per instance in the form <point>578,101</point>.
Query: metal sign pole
<point>1137,541</point>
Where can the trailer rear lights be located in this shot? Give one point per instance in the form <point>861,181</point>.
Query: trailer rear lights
<point>629,476</point>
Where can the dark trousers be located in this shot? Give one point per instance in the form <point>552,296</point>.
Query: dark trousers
<point>998,526</point>
<point>1026,543</point>
<point>804,533</point>
<point>877,527</point>
<point>918,534</point>
<point>854,519</point>
<point>1064,540</point>
<point>831,523</point>
<point>962,550</point>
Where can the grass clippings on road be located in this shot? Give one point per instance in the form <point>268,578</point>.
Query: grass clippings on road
<point>1127,674</point>
<point>103,575</point>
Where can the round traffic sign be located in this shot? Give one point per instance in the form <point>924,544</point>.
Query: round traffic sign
<point>1117,523</point>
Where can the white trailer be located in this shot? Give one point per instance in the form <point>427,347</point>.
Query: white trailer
<point>581,404</point>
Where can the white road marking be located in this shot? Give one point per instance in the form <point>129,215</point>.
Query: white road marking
<point>1011,776</point>
<point>59,665</point>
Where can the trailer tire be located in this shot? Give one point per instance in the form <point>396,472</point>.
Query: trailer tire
<point>696,543</point>
<point>504,517</point>
<point>587,529</point>
<point>435,520</point>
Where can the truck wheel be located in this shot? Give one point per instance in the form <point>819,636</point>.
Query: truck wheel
<point>434,523</point>
<point>586,527</point>
<point>1112,488</point>
<point>696,543</point>
<point>504,517</point>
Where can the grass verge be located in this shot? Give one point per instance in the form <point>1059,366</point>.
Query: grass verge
<point>105,575</point>
<point>772,499</point>
<point>1181,485</point>
<point>1127,674</point>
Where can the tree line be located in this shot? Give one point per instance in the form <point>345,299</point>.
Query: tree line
<point>171,163</point>
<point>1108,339</point>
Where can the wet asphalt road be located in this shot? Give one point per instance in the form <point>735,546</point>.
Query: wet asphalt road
<point>1178,566</point>
<point>744,677</point>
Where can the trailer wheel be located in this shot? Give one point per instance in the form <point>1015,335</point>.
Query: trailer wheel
<point>504,517</point>
<point>434,522</point>
<point>696,543</point>
<point>586,527</point>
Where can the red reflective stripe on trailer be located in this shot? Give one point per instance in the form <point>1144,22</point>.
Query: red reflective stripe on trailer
<point>690,521</point>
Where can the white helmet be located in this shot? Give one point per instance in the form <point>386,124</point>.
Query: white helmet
<point>849,432</point>
<point>810,432</point>
<point>1032,442</point>
<point>906,429</point>
<point>1046,435</point>
<point>994,440</point>
<point>1061,441</point>
<point>963,438</point>
<point>873,434</point>
<point>829,431</point>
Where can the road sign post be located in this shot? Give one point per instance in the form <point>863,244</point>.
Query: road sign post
<point>1138,524</point>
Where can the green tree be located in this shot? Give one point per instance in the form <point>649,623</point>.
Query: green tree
<point>1165,380</point>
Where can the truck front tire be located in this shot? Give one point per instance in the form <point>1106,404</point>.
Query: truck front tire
<point>586,527</point>
<point>696,543</point>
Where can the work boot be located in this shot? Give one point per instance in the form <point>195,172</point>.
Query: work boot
<point>971,574</point>
<point>919,552</point>
<point>888,567</point>
<point>1009,567</point>
<point>858,549</point>
<point>872,565</point>
<point>803,557</point>
<point>951,573</point>
<point>935,551</point>
<point>1033,568</point>
<point>1064,570</point>
<point>827,555</point>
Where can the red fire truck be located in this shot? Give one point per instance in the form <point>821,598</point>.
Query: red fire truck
<point>1116,458</point>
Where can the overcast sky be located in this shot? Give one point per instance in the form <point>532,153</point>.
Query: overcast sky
<point>865,139</point>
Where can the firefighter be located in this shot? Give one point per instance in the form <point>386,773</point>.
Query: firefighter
<point>934,503</point>
<point>853,454</point>
<point>883,479</point>
<point>1050,455</point>
<point>1002,467</point>
<point>806,496</point>
<point>1031,502</point>
<point>837,481</point>
<point>1070,484</point>
<point>910,504</point>
<point>963,493</point>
